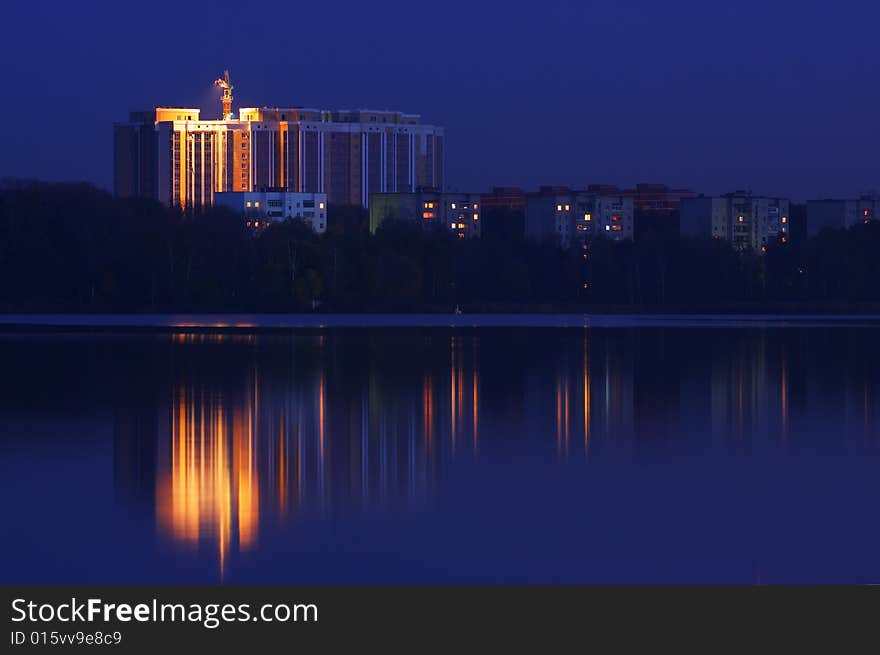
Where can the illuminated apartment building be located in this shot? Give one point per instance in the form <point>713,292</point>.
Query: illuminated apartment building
<point>260,208</point>
<point>172,155</point>
<point>749,222</point>
<point>457,212</point>
<point>841,214</point>
<point>568,217</point>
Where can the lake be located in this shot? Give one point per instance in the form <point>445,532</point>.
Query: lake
<point>440,450</point>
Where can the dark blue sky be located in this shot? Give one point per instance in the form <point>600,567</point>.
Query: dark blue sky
<point>778,97</point>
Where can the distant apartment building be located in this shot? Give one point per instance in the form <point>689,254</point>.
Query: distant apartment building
<point>748,221</point>
<point>173,155</point>
<point>570,217</point>
<point>459,213</point>
<point>504,197</point>
<point>260,208</point>
<point>658,199</point>
<point>841,214</point>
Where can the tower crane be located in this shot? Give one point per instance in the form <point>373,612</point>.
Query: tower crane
<point>226,85</point>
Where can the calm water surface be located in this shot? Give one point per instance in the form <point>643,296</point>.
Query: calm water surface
<point>580,454</point>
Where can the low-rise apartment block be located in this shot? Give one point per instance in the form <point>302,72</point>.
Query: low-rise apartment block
<point>841,214</point>
<point>748,221</point>
<point>459,213</point>
<point>570,217</point>
<point>260,208</point>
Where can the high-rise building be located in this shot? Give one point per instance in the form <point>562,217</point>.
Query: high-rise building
<point>171,154</point>
<point>841,214</point>
<point>748,221</point>
<point>433,210</point>
<point>569,217</point>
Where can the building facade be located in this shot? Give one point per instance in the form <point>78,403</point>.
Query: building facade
<point>170,154</point>
<point>504,197</point>
<point>749,222</point>
<point>432,209</point>
<point>259,208</point>
<point>841,214</point>
<point>571,217</point>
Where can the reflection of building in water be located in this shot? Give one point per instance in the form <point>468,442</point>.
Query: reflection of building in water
<point>263,433</point>
<point>592,393</point>
<point>293,439</point>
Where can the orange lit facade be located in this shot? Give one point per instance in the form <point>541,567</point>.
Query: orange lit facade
<point>171,154</point>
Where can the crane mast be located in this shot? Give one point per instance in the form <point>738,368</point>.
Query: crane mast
<point>226,99</point>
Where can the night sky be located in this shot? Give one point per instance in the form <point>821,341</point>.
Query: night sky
<point>777,97</point>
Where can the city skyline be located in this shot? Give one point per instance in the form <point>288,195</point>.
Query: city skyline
<point>740,97</point>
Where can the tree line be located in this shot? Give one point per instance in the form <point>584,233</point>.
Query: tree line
<point>75,248</point>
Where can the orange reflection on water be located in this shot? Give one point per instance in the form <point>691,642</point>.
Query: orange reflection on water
<point>211,482</point>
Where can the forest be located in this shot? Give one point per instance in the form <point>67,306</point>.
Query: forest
<point>76,248</point>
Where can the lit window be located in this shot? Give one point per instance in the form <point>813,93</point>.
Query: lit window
<point>256,223</point>
<point>867,212</point>
<point>257,203</point>
<point>559,208</point>
<point>476,217</point>
<point>320,205</point>
<point>427,215</point>
<point>476,206</point>
<point>568,208</point>
<point>741,218</point>
<point>453,205</point>
<point>452,226</point>
<point>248,203</point>
<point>248,223</point>
<point>785,219</point>
<point>588,217</point>
<point>607,228</point>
